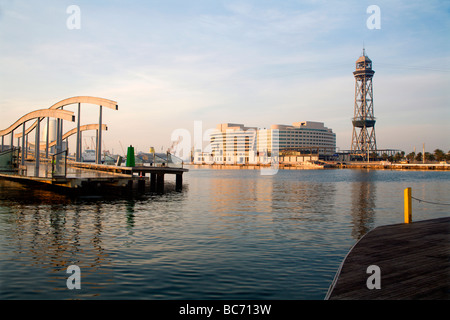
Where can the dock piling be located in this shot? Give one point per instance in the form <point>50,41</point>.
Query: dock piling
<point>407,205</point>
<point>141,185</point>
<point>160,182</point>
<point>152,182</point>
<point>178,182</point>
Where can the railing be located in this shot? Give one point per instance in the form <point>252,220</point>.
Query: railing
<point>59,164</point>
<point>159,160</point>
<point>9,159</point>
<point>173,161</point>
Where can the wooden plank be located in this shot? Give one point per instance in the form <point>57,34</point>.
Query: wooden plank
<point>414,260</point>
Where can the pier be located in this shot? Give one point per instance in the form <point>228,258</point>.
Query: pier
<point>49,164</point>
<point>413,259</point>
<point>156,175</point>
<point>85,177</point>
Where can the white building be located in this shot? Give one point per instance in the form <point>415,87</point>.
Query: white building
<point>306,135</point>
<point>233,143</point>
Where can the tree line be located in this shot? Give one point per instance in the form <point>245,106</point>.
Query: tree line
<point>437,156</point>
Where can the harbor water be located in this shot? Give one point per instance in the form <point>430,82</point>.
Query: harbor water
<point>230,234</point>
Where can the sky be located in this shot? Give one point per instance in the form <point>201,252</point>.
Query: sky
<point>169,63</point>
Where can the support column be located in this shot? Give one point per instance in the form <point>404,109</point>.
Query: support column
<point>152,182</point>
<point>12,140</point>
<point>96,146</point>
<point>46,139</point>
<point>37,147</point>
<point>81,146</point>
<point>61,133</point>
<point>58,146</point>
<point>141,185</point>
<point>179,182</point>
<point>160,182</point>
<point>23,143</point>
<point>99,141</point>
<point>2,143</point>
<point>78,146</point>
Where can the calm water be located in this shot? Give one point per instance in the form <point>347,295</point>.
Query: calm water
<point>231,234</point>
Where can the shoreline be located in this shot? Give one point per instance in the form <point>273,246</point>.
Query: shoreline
<point>374,166</point>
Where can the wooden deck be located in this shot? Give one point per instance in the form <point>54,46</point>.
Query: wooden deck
<point>156,174</point>
<point>414,260</point>
<point>97,177</point>
<point>127,170</point>
<point>78,183</point>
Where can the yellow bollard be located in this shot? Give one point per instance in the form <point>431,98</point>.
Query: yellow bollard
<point>408,211</point>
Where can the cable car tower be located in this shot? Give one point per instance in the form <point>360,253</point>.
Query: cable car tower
<point>363,137</point>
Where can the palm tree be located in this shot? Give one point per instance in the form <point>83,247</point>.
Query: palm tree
<point>439,155</point>
<point>418,156</point>
<point>410,157</point>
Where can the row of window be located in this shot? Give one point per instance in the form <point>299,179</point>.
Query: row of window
<point>308,139</point>
<point>307,135</point>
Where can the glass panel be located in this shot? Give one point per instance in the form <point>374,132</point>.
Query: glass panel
<point>159,160</point>
<point>9,159</point>
<point>59,164</point>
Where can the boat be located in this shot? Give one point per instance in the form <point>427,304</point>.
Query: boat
<point>88,155</point>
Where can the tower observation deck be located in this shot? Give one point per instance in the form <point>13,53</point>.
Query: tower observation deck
<point>363,136</point>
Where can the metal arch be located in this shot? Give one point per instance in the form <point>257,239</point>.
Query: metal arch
<point>42,113</point>
<point>80,99</point>
<point>86,99</point>
<point>101,102</point>
<point>27,131</point>
<point>72,132</point>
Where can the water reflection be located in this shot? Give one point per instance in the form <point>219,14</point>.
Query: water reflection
<point>271,205</point>
<point>363,202</point>
<point>230,235</point>
<point>50,237</point>
<point>130,204</point>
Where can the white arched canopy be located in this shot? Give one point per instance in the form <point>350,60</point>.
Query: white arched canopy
<point>54,112</point>
<point>43,113</point>
<point>80,99</point>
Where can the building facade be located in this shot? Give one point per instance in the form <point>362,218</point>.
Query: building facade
<point>306,136</point>
<point>233,143</point>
